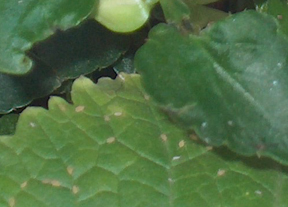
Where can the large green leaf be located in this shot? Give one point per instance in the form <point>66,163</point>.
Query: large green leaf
<point>24,22</point>
<point>230,84</point>
<point>113,148</point>
<point>65,55</point>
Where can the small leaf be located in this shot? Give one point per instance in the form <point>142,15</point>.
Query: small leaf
<point>123,15</point>
<point>278,9</point>
<point>175,11</point>
<point>190,16</point>
<point>24,22</point>
<point>113,148</point>
<point>230,84</point>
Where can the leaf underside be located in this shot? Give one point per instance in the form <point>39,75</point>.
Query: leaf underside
<point>112,147</point>
<point>229,84</point>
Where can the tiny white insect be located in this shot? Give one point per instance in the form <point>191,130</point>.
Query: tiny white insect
<point>163,137</point>
<point>176,158</point>
<point>170,180</point>
<point>12,202</point>
<point>110,140</point>
<point>79,109</point>
<point>221,172</point>
<point>119,113</point>
<point>258,192</point>
<point>106,118</point>
<point>62,107</point>
<point>181,143</point>
<point>70,170</point>
<point>75,189</point>
<point>23,185</point>
<point>146,97</point>
<point>32,124</point>
<point>54,183</point>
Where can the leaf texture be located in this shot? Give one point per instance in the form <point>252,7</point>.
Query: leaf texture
<point>113,147</point>
<point>229,84</point>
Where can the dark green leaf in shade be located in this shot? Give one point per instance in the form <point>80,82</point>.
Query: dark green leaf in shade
<point>113,148</point>
<point>125,64</point>
<point>65,55</point>
<point>24,22</point>
<point>8,124</point>
<point>230,84</point>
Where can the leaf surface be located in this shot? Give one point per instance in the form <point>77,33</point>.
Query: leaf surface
<point>8,124</point>
<point>66,55</point>
<point>24,22</point>
<point>229,84</point>
<point>112,147</point>
<point>278,9</point>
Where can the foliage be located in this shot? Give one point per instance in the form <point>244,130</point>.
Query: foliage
<point>233,83</point>
<point>210,82</point>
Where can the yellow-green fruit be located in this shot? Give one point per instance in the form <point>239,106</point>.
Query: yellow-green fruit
<point>123,15</point>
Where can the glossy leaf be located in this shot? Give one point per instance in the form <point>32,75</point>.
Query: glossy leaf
<point>24,22</point>
<point>113,148</point>
<point>65,55</point>
<point>229,84</point>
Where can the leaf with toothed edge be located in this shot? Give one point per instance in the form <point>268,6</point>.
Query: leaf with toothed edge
<point>114,148</point>
<point>229,84</point>
<point>65,55</point>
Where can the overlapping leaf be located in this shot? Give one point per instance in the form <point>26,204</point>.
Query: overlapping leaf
<point>229,85</point>
<point>112,147</point>
<point>65,55</point>
<point>24,22</point>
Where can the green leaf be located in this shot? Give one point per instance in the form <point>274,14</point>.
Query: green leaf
<point>190,16</point>
<point>279,9</point>
<point>175,11</point>
<point>8,124</point>
<point>124,15</point>
<point>65,55</point>
<point>24,22</point>
<point>112,147</point>
<point>229,84</point>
